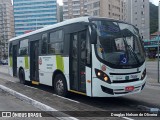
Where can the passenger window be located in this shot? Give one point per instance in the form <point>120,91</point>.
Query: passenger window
<point>44,44</point>
<point>23,50</point>
<point>55,45</point>
<point>10,49</point>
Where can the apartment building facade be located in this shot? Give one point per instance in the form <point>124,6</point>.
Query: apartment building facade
<point>30,15</point>
<point>74,8</point>
<point>6,26</point>
<point>137,13</point>
<point>113,9</point>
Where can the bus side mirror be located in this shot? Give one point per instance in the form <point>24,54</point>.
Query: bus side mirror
<point>94,36</point>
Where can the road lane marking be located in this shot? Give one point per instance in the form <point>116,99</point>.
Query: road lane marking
<point>127,118</point>
<point>35,103</point>
<point>66,98</point>
<point>31,87</point>
<point>57,95</point>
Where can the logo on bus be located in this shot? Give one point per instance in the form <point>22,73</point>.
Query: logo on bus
<point>40,61</point>
<point>103,68</point>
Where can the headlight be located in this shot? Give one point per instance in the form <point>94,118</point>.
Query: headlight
<point>102,76</point>
<point>143,74</point>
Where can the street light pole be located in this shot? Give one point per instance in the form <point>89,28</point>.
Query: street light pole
<point>158,36</point>
<point>158,57</point>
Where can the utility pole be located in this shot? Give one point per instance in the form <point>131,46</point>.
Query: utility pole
<point>158,37</point>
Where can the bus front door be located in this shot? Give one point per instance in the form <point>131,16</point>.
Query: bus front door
<point>78,61</point>
<point>15,52</point>
<point>34,65</point>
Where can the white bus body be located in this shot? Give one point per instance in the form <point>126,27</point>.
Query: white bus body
<point>77,63</point>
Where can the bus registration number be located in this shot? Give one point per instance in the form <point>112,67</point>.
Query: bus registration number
<point>129,88</point>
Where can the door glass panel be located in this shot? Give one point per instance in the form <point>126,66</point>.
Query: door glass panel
<point>75,61</point>
<point>78,61</point>
<point>82,61</point>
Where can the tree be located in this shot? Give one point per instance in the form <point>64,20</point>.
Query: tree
<point>153,18</point>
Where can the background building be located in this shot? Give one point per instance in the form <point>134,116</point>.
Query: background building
<point>159,16</point>
<point>6,26</point>
<point>74,8</point>
<point>30,15</point>
<point>106,8</point>
<point>137,13</point>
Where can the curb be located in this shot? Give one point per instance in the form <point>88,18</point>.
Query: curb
<point>37,104</point>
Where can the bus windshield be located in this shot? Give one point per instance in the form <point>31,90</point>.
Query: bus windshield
<point>119,44</point>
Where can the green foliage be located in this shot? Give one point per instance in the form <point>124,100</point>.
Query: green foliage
<point>153,18</point>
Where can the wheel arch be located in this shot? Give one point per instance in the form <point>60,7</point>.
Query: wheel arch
<point>20,68</point>
<point>56,72</point>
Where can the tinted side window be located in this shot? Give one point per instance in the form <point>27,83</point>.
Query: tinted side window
<point>44,44</point>
<point>56,36</point>
<point>10,49</point>
<point>55,45</point>
<point>23,50</point>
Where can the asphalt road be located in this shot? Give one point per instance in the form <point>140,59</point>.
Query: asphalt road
<point>152,71</point>
<point>149,97</point>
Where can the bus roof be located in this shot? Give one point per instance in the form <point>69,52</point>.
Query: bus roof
<point>70,21</point>
<point>67,22</point>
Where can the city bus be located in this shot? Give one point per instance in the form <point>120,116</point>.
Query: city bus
<point>92,56</point>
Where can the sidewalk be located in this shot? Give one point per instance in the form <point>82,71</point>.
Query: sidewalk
<point>153,82</point>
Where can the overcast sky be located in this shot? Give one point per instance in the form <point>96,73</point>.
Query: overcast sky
<point>153,1</point>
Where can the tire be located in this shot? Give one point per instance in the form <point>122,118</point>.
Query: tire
<point>60,86</point>
<point>22,76</point>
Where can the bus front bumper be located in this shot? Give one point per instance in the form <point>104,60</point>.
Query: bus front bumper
<point>103,89</point>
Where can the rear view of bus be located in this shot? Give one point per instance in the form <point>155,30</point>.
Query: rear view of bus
<point>118,59</point>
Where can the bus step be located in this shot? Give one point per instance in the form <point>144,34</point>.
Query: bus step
<point>35,83</point>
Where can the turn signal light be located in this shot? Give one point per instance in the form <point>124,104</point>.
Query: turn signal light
<point>143,74</point>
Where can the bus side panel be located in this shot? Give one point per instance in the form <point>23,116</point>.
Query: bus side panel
<point>10,66</point>
<point>23,62</point>
<point>47,65</point>
<point>27,68</point>
<point>66,71</point>
<point>88,84</point>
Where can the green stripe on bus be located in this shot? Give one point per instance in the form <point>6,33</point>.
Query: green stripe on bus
<point>60,63</point>
<point>10,61</point>
<point>26,62</point>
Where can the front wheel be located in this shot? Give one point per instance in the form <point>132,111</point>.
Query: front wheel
<point>22,76</point>
<point>60,85</point>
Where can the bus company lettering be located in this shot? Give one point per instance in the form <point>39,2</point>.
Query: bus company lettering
<point>134,76</point>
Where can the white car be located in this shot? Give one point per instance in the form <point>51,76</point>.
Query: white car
<point>157,55</point>
<point>4,62</point>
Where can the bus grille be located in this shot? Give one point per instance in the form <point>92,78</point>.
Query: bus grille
<point>125,81</point>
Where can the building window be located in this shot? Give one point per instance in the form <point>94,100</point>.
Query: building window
<point>142,12</point>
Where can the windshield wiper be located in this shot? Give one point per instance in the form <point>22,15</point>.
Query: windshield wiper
<point>131,50</point>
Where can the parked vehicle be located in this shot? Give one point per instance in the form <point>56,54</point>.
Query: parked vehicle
<point>157,55</point>
<point>4,62</point>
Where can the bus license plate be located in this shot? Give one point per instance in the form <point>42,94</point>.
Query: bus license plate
<point>129,88</point>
